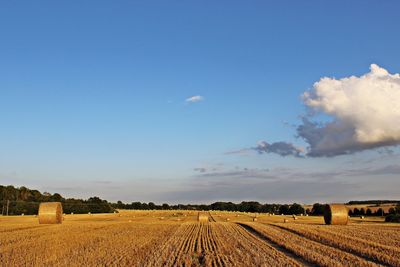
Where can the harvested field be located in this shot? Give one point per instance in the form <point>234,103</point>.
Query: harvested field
<point>176,238</point>
<point>217,244</point>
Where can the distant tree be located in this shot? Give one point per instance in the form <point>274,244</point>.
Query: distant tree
<point>296,209</point>
<point>362,211</point>
<point>136,205</point>
<point>165,206</point>
<point>397,209</point>
<point>356,211</point>
<point>249,206</point>
<point>351,213</point>
<point>284,209</point>
<point>380,212</point>
<point>56,197</point>
<point>152,206</point>
<point>368,212</point>
<point>393,218</point>
<point>318,209</point>
<point>203,207</point>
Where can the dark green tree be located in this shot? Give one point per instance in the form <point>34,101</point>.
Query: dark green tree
<point>296,209</point>
<point>318,209</point>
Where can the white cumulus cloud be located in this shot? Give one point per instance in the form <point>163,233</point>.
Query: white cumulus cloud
<point>363,112</point>
<point>193,99</point>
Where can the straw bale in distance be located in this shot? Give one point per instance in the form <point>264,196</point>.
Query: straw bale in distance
<point>202,217</point>
<point>336,214</point>
<point>50,213</point>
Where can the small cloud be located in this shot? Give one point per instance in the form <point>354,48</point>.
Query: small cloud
<point>281,148</point>
<point>244,151</point>
<point>202,170</point>
<point>194,99</point>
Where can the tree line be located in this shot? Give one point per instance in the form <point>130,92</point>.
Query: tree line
<point>22,200</point>
<point>245,206</point>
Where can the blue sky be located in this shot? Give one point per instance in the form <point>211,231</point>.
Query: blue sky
<point>93,97</point>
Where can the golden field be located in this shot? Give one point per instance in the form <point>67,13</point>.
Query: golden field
<point>175,238</point>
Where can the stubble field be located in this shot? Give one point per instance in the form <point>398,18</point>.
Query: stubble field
<point>175,238</point>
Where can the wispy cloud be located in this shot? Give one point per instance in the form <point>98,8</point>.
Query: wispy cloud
<point>194,99</point>
<point>281,148</point>
<point>260,185</point>
<point>287,185</point>
<point>243,151</point>
<point>202,170</point>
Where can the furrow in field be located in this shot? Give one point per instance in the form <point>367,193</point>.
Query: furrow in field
<point>218,244</point>
<point>212,219</point>
<point>249,250</point>
<point>310,250</point>
<point>378,234</point>
<point>169,253</point>
<point>184,242</point>
<point>382,254</point>
<point>280,252</point>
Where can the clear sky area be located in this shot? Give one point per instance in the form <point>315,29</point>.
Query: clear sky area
<point>200,101</point>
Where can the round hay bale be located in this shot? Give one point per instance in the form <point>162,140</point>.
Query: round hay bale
<point>285,220</point>
<point>202,217</point>
<point>336,214</point>
<point>361,217</point>
<point>254,219</point>
<point>50,213</point>
<point>227,219</point>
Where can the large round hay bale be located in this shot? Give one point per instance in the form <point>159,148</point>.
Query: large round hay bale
<point>336,214</point>
<point>202,217</point>
<point>50,213</point>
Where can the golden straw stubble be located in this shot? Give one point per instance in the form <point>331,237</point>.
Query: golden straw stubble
<point>336,214</point>
<point>50,213</point>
